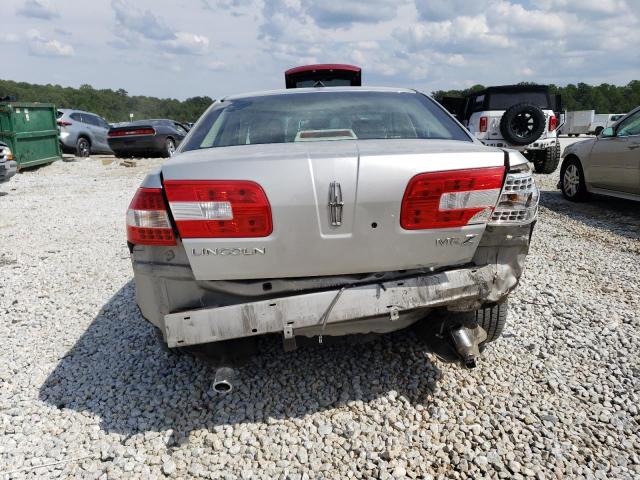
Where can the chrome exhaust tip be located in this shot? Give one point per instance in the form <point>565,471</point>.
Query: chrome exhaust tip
<point>467,344</point>
<point>223,380</point>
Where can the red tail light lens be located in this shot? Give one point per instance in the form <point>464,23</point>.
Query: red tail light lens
<point>135,131</point>
<point>553,123</point>
<point>451,199</point>
<point>484,122</point>
<point>219,208</point>
<point>63,123</point>
<point>147,219</point>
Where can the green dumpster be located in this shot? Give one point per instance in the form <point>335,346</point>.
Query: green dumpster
<point>31,132</point>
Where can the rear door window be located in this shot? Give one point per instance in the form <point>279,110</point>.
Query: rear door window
<point>77,117</point>
<point>91,120</point>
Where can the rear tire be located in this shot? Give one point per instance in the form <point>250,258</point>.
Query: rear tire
<point>83,147</point>
<point>572,182</point>
<point>169,148</point>
<point>599,131</point>
<point>547,161</point>
<point>492,320</point>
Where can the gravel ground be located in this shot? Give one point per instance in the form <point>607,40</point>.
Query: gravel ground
<point>86,391</point>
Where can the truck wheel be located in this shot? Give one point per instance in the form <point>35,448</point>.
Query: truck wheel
<point>522,124</point>
<point>492,320</point>
<point>572,182</point>
<point>83,147</point>
<point>599,130</point>
<point>547,161</point>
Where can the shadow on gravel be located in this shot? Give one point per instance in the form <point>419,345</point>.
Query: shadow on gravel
<point>119,371</point>
<point>615,215</point>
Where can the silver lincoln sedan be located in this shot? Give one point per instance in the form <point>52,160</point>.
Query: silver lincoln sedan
<point>331,211</point>
<point>608,164</point>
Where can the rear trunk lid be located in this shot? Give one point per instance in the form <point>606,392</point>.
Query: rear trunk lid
<point>301,180</point>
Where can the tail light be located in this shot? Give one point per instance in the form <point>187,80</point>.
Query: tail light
<point>518,202</point>
<point>484,122</point>
<point>128,133</point>
<point>553,123</point>
<point>219,208</point>
<point>147,219</point>
<point>450,199</point>
<point>63,123</point>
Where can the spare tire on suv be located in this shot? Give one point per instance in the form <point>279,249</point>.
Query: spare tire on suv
<point>522,124</point>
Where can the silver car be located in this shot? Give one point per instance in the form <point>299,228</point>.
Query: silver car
<point>317,212</point>
<point>82,133</point>
<point>608,164</point>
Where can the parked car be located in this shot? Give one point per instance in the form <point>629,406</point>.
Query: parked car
<point>519,117</point>
<point>8,166</point>
<point>602,121</point>
<point>147,138</point>
<point>82,133</point>
<point>608,164</point>
<point>314,212</point>
<point>323,75</point>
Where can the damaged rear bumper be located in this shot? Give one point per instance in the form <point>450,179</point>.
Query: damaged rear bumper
<point>301,313</point>
<point>191,312</point>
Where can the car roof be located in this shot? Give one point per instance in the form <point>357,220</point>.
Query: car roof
<point>73,110</point>
<point>512,89</point>
<point>319,90</point>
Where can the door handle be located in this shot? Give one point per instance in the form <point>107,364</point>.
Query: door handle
<point>633,146</point>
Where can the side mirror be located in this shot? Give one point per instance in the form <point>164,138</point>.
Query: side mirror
<point>608,132</point>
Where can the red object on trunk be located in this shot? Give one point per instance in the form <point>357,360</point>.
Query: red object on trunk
<point>324,74</point>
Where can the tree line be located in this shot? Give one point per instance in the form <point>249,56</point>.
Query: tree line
<point>113,105</point>
<point>603,98</point>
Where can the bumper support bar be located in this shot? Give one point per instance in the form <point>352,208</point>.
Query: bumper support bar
<point>464,286</point>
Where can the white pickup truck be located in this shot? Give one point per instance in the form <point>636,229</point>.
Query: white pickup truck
<point>602,121</point>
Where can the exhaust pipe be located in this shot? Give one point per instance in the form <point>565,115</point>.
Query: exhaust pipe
<point>466,342</point>
<point>223,380</point>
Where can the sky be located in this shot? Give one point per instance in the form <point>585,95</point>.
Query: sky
<point>186,48</point>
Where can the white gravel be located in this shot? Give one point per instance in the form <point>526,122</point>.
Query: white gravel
<point>86,391</point>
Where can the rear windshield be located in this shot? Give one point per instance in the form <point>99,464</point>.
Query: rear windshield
<point>321,116</point>
<point>502,101</point>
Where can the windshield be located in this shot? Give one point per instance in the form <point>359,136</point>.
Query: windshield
<point>321,116</point>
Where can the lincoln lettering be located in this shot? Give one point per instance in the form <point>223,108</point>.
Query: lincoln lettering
<point>228,251</point>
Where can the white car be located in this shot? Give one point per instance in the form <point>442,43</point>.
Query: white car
<point>608,164</point>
